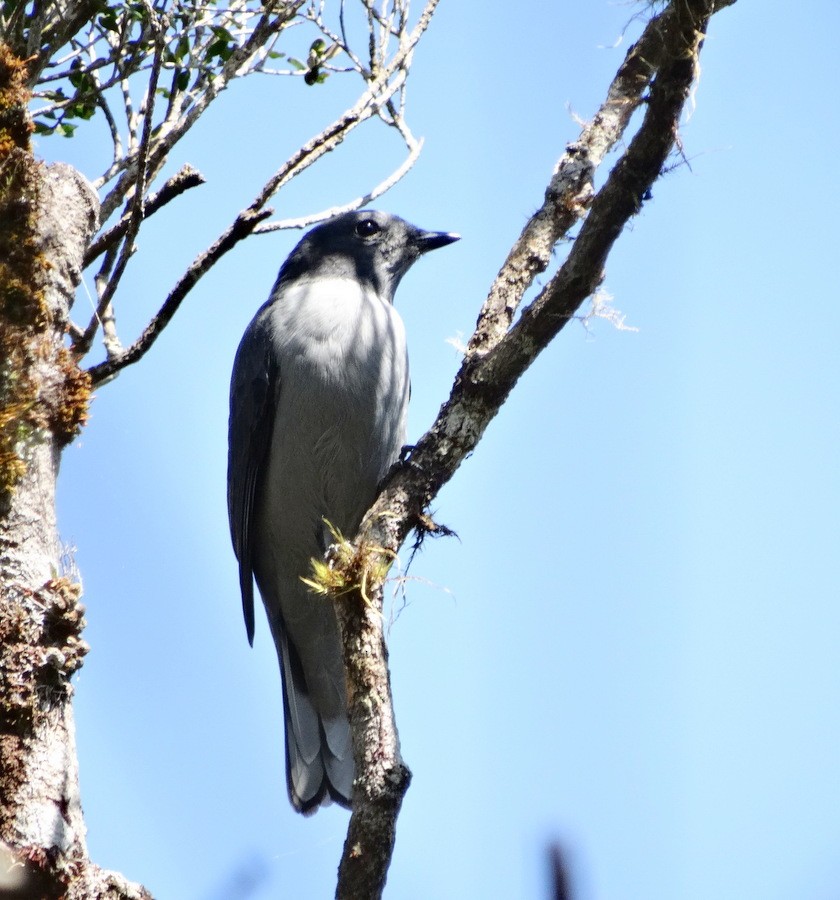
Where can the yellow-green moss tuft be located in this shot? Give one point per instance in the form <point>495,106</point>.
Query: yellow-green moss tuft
<point>71,411</point>
<point>15,122</point>
<point>348,567</point>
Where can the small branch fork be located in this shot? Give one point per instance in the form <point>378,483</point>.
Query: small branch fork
<point>658,71</point>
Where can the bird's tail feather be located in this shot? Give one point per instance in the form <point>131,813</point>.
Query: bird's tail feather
<point>319,752</point>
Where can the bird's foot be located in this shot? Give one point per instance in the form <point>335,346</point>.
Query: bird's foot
<point>402,462</point>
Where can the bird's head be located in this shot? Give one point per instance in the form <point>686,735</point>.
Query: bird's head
<point>373,247</point>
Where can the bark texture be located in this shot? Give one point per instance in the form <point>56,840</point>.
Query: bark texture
<point>47,217</point>
<point>378,795</point>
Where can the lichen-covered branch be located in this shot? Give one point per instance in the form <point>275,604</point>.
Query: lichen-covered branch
<point>569,192</point>
<point>378,794</point>
<point>498,357</point>
<point>659,70</point>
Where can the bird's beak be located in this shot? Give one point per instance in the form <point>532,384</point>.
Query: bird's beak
<point>431,240</point>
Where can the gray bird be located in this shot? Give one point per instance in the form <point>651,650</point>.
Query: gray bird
<point>318,403</point>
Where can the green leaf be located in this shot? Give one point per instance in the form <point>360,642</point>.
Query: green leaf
<point>108,20</point>
<point>219,48</point>
<point>137,12</point>
<point>80,109</point>
<point>66,129</point>
<point>315,76</point>
<point>182,49</point>
<point>182,82</point>
<point>297,64</point>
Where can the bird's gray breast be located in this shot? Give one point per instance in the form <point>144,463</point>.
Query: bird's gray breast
<point>342,396</point>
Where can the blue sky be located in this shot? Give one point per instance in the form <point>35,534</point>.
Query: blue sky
<point>632,646</point>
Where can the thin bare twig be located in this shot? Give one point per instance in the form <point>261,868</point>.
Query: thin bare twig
<point>381,89</point>
<point>359,202</point>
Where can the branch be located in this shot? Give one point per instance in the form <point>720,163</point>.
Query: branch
<point>619,199</point>
<point>561,889</point>
<point>664,58</point>
<point>242,226</point>
<point>382,777</point>
<point>569,193</point>
<point>53,25</point>
<point>207,87</point>
<point>187,177</point>
<point>497,358</point>
<point>383,187</point>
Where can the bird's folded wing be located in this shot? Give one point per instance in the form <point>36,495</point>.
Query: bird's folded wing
<point>253,392</point>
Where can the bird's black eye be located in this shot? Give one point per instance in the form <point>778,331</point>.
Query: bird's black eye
<point>367,228</point>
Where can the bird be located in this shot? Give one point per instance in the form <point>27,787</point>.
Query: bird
<point>318,402</point>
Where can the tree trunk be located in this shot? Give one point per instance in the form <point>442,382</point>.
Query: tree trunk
<point>48,215</point>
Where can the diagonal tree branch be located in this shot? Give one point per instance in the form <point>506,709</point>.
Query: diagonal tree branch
<point>242,226</point>
<point>488,375</point>
<point>414,147</point>
<point>569,193</point>
<point>665,59</point>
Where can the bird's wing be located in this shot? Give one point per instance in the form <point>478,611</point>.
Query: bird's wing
<point>252,403</point>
